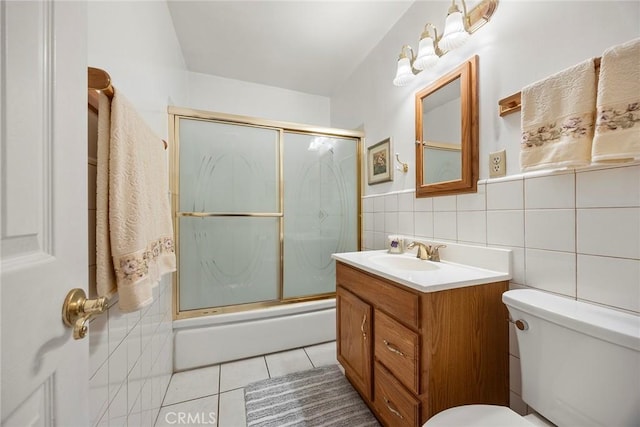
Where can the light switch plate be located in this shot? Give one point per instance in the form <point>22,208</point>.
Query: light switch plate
<point>497,164</point>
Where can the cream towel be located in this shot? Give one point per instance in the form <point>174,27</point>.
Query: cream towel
<point>139,214</point>
<point>617,135</point>
<point>105,275</point>
<point>557,119</point>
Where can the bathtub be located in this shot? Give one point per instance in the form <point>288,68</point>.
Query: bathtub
<point>221,338</point>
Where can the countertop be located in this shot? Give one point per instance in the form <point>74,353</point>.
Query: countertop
<point>443,275</point>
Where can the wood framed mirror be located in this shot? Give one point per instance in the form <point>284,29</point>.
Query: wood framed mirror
<point>447,133</point>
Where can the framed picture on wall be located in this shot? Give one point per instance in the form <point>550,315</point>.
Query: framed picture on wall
<point>379,165</point>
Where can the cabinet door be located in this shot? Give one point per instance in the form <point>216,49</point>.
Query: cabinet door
<point>354,339</point>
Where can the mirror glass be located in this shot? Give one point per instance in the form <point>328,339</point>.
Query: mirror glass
<point>441,134</point>
<point>447,134</point>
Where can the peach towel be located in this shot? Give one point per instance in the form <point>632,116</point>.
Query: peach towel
<point>617,134</point>
<point>557,119</point>
<point>139,213</point>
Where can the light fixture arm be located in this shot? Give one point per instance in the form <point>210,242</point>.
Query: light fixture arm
<point>436,37</point>
<point>403,55</point>
<point>465,16</point>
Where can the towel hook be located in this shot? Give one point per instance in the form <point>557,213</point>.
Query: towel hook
<point>404,167</point>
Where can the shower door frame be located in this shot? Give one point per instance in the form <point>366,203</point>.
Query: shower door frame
<point>177,113</point>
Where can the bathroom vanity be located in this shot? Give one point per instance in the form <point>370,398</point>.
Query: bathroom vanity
<point>413,349</point>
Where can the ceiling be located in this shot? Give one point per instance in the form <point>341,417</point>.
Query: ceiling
<point>306,46</point>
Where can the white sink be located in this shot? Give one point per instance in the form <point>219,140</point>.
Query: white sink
<point>403,262</point>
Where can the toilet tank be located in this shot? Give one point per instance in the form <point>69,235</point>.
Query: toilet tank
<point>580,362</point>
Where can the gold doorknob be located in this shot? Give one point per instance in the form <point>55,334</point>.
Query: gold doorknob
<point>77,310</point>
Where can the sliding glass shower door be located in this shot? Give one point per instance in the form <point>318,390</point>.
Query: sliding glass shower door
<point>321,179</point>
<point>260,208</point>
<point>229,216</point>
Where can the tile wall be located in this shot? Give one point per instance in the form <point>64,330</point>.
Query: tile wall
<point>130,355</point>
<point>571,233</point>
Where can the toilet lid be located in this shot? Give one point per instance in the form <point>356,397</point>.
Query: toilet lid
<point>478,415</point>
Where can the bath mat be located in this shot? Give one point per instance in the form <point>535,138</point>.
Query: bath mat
<point>317,397</point>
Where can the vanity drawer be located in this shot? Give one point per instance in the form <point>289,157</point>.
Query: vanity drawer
<point>389,297</point>
<point>393,403</point>
<point>397,348</point>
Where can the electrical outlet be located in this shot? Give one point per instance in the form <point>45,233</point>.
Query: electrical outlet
<point>497,164</point>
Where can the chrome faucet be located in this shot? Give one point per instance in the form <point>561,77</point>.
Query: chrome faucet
<point>427,252</point>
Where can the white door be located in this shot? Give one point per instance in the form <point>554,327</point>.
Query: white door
<point>43,208</point>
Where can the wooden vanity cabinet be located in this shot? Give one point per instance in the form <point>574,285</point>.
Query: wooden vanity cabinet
<point>412,354</point>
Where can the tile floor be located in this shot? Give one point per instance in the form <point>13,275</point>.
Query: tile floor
<point>218,391</point>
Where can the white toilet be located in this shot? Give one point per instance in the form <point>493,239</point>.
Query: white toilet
<point>580,366</point>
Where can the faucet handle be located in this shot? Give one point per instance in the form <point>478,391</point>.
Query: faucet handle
<point>434,254</point>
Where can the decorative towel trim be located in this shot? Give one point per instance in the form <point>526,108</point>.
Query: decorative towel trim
<point>573,126</point>
<point>134,267</point>
<point>618,117</point>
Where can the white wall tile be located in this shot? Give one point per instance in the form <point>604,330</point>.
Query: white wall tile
<point>117,327</point>
<point>473,201</point>
<point>391,203</point>
<point>551,271</point>
<point>423,224</point>
<point>118,408</point>
<point>378,204</point>
<point>548,192</point>
<point>98,394</point>
<point>367,204</point>
<point>134,346</point>
<point>135,416</point>
<point>368,223</point>
<point>610,232</point>
<point>444,203</point>
<point>552,229</point>
<point>118,370</point>
<point>445,225</point>
<point>391,222</point>
<point>405,201</point>
<point>609,281</point>
<point>378,222</point>
<point>98,342</point>
<point>134,386</point>
<point>505,228</point>
<point>505,195</point>
<point>423,204</point>
<point>405,223</point>
<point>472,227</point>
<point>379,240</point>
<point>616,187</point>
<point>367,240</point>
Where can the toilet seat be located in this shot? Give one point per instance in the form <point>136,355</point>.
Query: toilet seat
<point>478,415</point>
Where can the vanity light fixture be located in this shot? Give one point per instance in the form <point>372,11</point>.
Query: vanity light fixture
<point>459,26</point>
